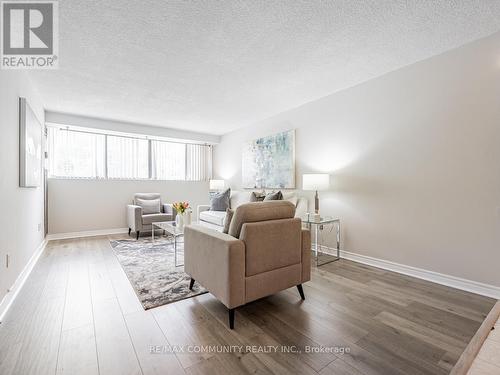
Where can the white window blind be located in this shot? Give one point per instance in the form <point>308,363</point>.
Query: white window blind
<point>198,162</point>
<point>80,154</point>
<point>127,158</point>
<point>75,154</point>
<point>168,160</point>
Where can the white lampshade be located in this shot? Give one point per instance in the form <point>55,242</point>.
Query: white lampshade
<point>315,181</point>
<point>216,184</point>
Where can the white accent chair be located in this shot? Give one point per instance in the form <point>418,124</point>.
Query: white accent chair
<point>140,221</point>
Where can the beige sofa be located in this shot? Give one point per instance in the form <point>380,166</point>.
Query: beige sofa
<point>215,219</point>
<point>265,251</point>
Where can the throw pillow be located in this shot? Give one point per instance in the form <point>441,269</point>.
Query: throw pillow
<point>290,197</point>
<point>227,220</point>
<point>257,196</point>
<point>275,196</point>
<point>220,201</point>
<point>149,206</point>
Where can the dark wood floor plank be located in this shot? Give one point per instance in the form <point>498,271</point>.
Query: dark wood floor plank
<point>476,302</point>
<point>149,344</point>
<point>429,335</point>
<point>339,367</point>
<point>461,308</point>
<point>385,322</point>
<point>390,349</point>
<point>287,335</point>
<point>370,364</point>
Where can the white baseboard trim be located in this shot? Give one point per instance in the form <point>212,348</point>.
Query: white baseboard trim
<point>435,277</point>
<point>87,233</point>
<point>12,293</point>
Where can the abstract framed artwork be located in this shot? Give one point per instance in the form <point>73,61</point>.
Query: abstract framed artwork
<point>30,146</point>
<point>269,162</point>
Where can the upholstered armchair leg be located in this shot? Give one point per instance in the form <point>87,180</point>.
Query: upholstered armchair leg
<point>231,318</point>
<point>191,283</point>
<point>301,291</point>
<point>137,237</point>
<point>129,230</point>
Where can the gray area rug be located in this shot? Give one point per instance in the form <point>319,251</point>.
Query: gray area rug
<point>150,269</point>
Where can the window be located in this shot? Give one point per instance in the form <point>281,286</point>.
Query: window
<point>168,160</point>
<point>75,154</point>
<point>127,158</point>
<point>81,154</point>
<point>198,162</point>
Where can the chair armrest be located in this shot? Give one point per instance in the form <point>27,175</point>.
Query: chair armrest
<point>200,209</point>
<point>217,261</point>
<point>134,217</point>
<point>169,209</point>
<point>306,255</point>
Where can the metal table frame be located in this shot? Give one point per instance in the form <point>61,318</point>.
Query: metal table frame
<point>316,248</point>
<point>171,228</point>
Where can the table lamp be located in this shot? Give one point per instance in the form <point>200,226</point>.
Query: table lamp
<point>216,185</point>
<point>316,182</point>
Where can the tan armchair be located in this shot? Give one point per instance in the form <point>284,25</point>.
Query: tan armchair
<point>265,251</point>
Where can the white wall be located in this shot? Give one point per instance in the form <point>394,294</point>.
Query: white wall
<point>415,161</point>
<point>88,205</point>
<point>21,208</point>
<point>128,127</point>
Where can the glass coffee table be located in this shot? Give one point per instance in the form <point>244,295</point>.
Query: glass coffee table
<point>172,229</point>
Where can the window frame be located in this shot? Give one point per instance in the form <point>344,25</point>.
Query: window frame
<point>150,139</point>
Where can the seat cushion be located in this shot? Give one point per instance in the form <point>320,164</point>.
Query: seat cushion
<point>149,206</point>
<point>213,217</point>
<point>240,197</point>
<point>153,218</point>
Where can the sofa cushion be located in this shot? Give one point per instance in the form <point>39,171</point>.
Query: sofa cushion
<point>154,218</point>
<point>149,206</point>
<point>227,220</point>
<point>213,217</point>
<point>259,211</point>
<point>240,197</point>
<point>220,201</point>
<point>291,197</point>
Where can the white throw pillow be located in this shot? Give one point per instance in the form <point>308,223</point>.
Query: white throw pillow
<point>149,206</point>
<point>239,197</point>
<point>290,197</point>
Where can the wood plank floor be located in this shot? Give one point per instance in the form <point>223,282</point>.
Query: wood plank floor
<point>78,314</point>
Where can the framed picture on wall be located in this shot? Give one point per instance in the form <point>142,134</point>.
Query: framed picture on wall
<point>269,162</point>
<point>30,146</point>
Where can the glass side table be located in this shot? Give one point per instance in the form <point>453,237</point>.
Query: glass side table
<point>315,226</point>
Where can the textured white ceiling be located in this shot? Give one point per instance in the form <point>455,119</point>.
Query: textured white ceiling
<point>214,66</point>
